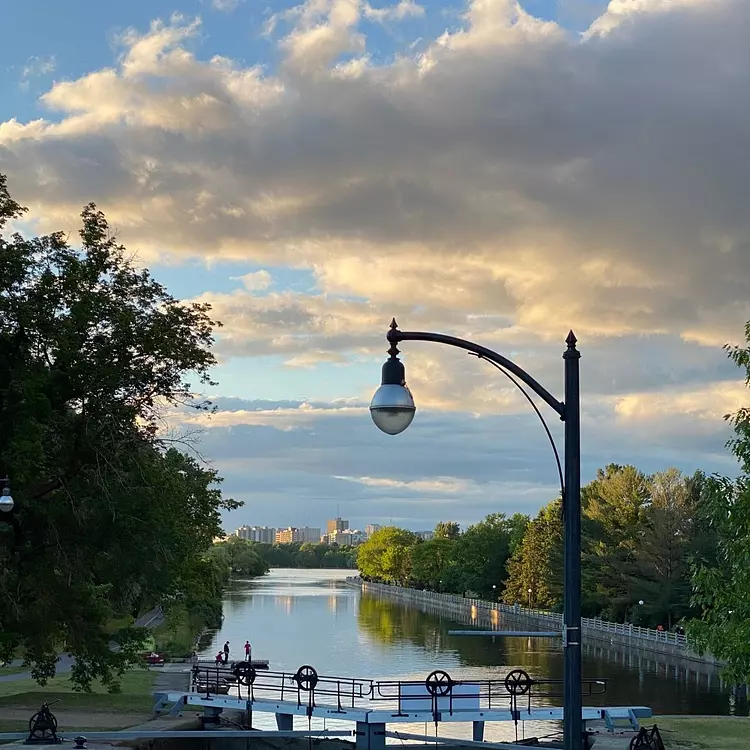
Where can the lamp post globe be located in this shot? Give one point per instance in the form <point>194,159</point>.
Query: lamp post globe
<point>392,408</point>
<point>6,501</point>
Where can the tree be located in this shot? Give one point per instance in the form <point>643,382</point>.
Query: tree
<point>243,559</point>
<point>721,582</point>
<point>660,573</point>
<point>92,351</point>
<point>386,555</point>
<point>481,553</point>
<point>614,506</point>
<point>517,525</point>
<point>447,530</point>
<point>537,562</point>
<point>433,563</point>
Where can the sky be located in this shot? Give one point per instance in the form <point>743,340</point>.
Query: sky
<point>498,171</point>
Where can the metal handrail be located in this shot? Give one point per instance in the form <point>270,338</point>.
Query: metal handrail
<point>591,623</point>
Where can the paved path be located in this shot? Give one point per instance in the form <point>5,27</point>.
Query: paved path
<point>151,620</point>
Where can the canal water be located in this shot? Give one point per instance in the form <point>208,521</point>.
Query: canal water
<point>294,617</point>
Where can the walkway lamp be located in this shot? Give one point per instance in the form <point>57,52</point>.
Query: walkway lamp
<point>392,409</point>
<point>6,501</point>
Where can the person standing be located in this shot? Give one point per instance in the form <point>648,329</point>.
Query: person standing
<point>248,648</point>
<point>226,652</point>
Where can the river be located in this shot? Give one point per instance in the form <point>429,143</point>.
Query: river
<point>295,617</point>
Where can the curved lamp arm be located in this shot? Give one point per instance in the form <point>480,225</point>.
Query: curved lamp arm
<point>394,336</point>
<point>541,419</point>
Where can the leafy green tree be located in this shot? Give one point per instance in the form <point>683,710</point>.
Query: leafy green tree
<point>481,554</point>
<point>660,570</point>
<point>92,351</point>
<point>721,581</point>
<point>537,562</point>
<point>433,563</point>
<point>243,559</point>
<point>447,530</point>
<point>614,507</point>
<point>387,555</point>
<point>517,525</point>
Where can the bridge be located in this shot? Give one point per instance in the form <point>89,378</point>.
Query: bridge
<point>375,708</point>
<point>373,705</point>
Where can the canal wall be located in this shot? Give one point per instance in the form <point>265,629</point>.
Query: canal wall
<point>497,616</point>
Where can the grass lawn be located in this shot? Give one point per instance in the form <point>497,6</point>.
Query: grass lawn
<point>136,689</point>
<point>21,698</point>
<point>700,733</point>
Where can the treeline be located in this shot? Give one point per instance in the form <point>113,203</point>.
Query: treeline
<point>239,557</point>
<point>640,536</point>
<point>306,555</point>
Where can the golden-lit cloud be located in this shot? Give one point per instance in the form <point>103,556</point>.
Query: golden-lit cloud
<point>508,168</point>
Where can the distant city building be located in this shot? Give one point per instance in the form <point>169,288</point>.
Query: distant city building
<point>294,535</point>
<point>336,524</point>
<point>311,534</point>
<point>257,534</point>
<point>371,528</point>
<point>349,537</point>
<point>426,535</point>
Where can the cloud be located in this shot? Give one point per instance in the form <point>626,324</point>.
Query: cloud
<point>35,67</point>
<point>506,181</point>
<point>296,461</point>
<point>398,12</point>
<point>522,171</point>
<point>255,281</point>
<point>226,6</point>
<point>440,485</point>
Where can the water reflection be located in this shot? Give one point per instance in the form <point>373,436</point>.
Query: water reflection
<point>295,617</point>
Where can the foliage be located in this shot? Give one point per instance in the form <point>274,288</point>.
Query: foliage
<point>537,562</point>
<point>434,563</point>
<point>240,557</point>
<point>447,530</point>
<point>306,555</point>
<point>386,555</point>
<point>481,553</point>
<point>111,518</point>
<point>722,587</point>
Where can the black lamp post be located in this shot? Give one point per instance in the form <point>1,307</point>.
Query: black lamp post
<point>392,409</point>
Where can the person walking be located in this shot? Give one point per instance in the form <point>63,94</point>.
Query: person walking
<point>248,648</point>
<point>226,652</point>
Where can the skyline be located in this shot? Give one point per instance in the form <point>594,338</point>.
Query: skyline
<point>493,171</point>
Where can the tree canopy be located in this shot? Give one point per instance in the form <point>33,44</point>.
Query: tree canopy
<point>110,517</point>
<point>722,575</point>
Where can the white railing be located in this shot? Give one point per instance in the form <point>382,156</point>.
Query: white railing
<point>591,623</point>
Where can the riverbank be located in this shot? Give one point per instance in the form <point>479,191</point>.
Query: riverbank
<point>497,616</point>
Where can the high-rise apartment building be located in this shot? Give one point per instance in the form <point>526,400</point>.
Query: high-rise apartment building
<point>371,528</point>
<point>336,524</point>
<point>264,534</point>
<point>294,535</point>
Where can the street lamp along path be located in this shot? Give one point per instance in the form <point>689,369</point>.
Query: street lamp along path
<point>6,501</point>
<point>392,409</point>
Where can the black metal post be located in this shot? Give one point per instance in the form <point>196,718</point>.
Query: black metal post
<point>572,699</point>
<point>569,411</point>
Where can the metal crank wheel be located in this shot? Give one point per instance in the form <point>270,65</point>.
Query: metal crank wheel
<point>306,677</point>
<point>245,673</point>
<point>439,683</point>
<point>518,682</point>
<point>42,726</point>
